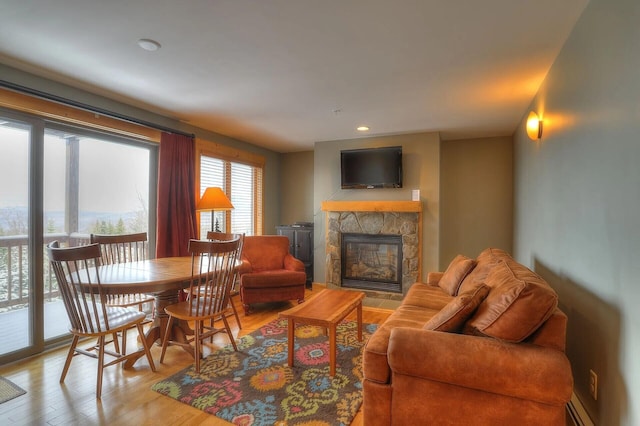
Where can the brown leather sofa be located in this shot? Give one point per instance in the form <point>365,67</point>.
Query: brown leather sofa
<point>480,344</point>
<point>269,273</point>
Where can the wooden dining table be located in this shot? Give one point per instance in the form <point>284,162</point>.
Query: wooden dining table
<point>163,278</point>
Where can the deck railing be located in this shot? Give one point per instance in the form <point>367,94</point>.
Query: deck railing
<point>14,267</point>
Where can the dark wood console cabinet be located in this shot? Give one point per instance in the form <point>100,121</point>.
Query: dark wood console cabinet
<point>300,245</point>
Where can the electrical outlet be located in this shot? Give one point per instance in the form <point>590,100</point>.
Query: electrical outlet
<point>593,384</point>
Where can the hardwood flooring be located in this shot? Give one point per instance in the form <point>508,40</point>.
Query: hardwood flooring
<point>127,398</point>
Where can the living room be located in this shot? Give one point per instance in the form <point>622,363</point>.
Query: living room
<point>565,205</point>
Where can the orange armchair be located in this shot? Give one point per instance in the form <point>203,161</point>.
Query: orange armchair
<point>269,273</point>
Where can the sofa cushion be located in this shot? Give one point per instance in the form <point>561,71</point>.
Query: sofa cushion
<point>420,304</point>
<point>453,316</point>
<point>515,307</point>
<point>425,296</point>
<point>457,270</point>
<point>486,260</point>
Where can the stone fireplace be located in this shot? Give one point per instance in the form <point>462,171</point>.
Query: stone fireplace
<point>385,241</point>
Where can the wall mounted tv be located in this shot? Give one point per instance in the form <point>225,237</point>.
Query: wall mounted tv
<point>371,168</point>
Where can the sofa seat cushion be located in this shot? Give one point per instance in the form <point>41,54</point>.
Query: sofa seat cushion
<point>516,305</point>
<point>375,363</point>
<point>274,278</point>
<point>452,317</point>
<point>457,270</point>
<point>426,296</point>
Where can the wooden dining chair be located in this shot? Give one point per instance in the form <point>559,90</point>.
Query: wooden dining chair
<point>123,248</point>
<point>76,270</point>
<point>213,266</point>
<point>235,291</point>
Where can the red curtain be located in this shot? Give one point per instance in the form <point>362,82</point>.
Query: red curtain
<point>176,195</point>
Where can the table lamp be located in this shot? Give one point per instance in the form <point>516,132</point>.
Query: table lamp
<point>214,199</point>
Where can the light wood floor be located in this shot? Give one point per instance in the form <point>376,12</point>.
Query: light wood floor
<point>127,398</point>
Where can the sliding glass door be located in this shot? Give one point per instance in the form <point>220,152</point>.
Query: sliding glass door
<point>17,307</point>
<point>60,183</point>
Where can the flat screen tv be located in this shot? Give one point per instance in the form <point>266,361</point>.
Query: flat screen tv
<point>371,168</point>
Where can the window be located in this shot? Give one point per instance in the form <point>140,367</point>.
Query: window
<point>93,183</point>
<point>240,177</point>
<point>102,187</point>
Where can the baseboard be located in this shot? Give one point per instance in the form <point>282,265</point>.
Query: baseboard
<point>576,413</point>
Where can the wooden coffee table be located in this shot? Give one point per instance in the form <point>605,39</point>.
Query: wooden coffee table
<point>326,310</point>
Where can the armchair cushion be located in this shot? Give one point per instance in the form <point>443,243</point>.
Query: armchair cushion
<point>276,278</point>
<point>265,252</point>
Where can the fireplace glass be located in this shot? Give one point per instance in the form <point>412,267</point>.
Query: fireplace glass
<point>372,262</point>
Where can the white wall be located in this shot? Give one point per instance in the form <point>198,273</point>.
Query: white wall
<point>577,202</point>
<point>476,197</point>
<point>296,187</point>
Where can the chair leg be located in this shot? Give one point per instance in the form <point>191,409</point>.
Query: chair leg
<point>116,344</point>
<point>100,366</point>
<point>124,343</point>
<point>165,340</point>
<point>212,324</point>
<point>226,326</point>
<point>235,312</point>
<point>247,309</point>
<point>197,343</point>
<point>67,363</point>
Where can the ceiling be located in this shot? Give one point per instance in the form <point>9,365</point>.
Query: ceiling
<point>284,74</point>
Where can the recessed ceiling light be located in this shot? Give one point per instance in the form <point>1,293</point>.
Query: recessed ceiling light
<point>362,128</point>
<point>148,44</point>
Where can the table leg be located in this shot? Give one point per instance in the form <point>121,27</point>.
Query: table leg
<point>180,330</point>
<point>332,350</point>
<point>159,325</point>
<point>290,337</point>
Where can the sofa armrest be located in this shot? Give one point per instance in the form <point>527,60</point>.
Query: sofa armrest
<point>518,370</point>
<point>245,266</point>
<point>293,264</point>
<point>433,278</point>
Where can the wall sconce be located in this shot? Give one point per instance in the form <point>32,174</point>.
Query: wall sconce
<point>534,126</point>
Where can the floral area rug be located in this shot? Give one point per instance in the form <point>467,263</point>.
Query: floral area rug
<point>255,386</point>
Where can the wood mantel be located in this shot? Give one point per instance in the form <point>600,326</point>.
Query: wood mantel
<point>372,206</point>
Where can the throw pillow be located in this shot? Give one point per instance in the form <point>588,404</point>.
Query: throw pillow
<point>452,317</point>
<point>459,267</point>
<point>485,261</point>
<point>515,308</point>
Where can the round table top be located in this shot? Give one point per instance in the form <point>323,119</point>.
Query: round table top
<point>147,276</point>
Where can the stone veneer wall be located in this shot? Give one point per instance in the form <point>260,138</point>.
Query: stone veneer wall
<point>391,223</point>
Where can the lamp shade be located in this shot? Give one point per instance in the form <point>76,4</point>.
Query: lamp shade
<point>214,199</point>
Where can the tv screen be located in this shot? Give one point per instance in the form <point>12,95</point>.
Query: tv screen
<point>371,168</point>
